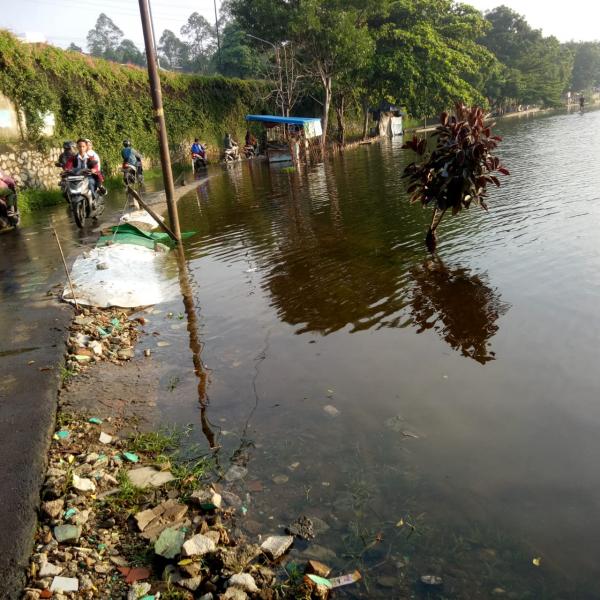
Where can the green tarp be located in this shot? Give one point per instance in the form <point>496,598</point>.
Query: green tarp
<point>126,233</point>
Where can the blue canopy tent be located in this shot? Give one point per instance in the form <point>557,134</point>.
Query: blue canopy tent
<point>279,150</point>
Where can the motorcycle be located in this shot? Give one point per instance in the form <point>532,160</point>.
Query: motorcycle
<point>250,151</point>
<point>8,221</point>
<point>83,203</point>
<point>131,174</point>
<point>199,162</point>
<point>231,154</point>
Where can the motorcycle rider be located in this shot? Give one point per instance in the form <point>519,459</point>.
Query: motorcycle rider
<point>230,145</point>
<point>132,157</point>
<point>83,160</point>
<point>8,191</point>
<point>198,150</point>
<point>69,150</point>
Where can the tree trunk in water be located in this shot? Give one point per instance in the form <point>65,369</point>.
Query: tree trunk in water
<point>326,105</point>
<point>365,107</point>
<point>431,237</point>
<point>339,111</point>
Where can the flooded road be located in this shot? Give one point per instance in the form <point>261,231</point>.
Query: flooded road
<point>434,416</point>
<point>439,415</point>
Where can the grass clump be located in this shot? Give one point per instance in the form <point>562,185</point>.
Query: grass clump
<point>31,200</point>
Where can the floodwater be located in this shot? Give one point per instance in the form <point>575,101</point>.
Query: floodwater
<point>434,416</point>
<point>439,415</point>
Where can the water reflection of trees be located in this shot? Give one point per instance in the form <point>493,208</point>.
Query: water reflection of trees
<point>461,307</point>
<point>336,249</point>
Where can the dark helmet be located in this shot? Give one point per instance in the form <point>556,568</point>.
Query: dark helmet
<point>126,143</point>
<point>67,145</point>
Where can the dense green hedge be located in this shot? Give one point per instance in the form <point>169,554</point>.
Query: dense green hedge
<point>107,102</point>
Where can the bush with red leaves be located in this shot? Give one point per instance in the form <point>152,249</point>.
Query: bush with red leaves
<point>456,173</point>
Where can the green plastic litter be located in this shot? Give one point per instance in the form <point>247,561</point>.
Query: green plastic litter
<point>147,597</point>
<point>117,458</point>
<point>101,547</point>
<point>70,512</point>
<point>169,542</point>
<point>63,434</point>
<point>95,421</point>
<point>320,581</point>
<point>102,332</point>
<point>131,457</point>
<point>116,323</point>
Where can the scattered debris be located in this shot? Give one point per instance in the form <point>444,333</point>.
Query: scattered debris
<point>432,580</point>
<point>317,568</point>
<point>149,476</point>
<point>331,410</point>
<point>301,528</point>
<point>345,579</point>
<point>276,545</point>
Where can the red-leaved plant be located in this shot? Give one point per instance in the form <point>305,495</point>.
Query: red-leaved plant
<point>456,173</point>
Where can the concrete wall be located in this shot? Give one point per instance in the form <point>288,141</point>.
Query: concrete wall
<point>30,168</point>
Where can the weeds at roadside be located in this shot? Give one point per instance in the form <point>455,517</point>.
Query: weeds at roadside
<point>157,443</point>
<point>64,419</point>
<point>172,593</point>
<point>138,554</point>
<point>66,375</point>
<point>128,498</point>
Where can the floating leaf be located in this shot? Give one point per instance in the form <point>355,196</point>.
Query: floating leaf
<point>537,561</point>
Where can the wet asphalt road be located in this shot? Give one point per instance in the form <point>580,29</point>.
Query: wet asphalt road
<point>31,348</point>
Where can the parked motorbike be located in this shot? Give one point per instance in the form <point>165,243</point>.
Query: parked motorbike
<point>199,162</point>
<point>7,220</point>
<point>83,203</point>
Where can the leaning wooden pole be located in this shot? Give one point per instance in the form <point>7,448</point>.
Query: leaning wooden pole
<point>159,116</point>
<point>160,222</point>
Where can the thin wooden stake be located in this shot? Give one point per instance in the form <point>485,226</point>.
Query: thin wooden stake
<point>65,265</point>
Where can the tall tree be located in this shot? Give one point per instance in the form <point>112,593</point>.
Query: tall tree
<point>538,68</point>
<point>128,53</point>
<point>586,65</point>
<point>238,57</point>
<point>173,52</point>
<point>104,39</point>
<point>201,40</point>
<point>427,55</point>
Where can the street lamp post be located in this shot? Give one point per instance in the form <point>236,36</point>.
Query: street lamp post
<point>279,71</point>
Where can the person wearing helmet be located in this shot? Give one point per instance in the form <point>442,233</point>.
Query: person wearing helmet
<point>69,151</point>
<point>132,157</point>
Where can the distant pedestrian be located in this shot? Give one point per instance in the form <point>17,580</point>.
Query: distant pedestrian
<point>582,102</point>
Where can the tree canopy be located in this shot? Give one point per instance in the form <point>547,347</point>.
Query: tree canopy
<point>422,55</point>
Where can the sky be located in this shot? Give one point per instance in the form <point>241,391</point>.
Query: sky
<point>61,22</point>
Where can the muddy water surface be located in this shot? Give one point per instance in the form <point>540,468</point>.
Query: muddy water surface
<point>440,416</point>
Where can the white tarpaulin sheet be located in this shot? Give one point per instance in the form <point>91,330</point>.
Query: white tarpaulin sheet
<point>122,275</point>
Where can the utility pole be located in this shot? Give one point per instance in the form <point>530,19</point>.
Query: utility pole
<point>159,116</point>
<point>218,38</point>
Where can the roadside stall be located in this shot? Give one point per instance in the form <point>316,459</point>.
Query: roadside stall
<point>286,137</point>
